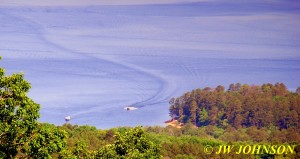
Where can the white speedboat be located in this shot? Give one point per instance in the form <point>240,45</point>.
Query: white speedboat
<point>130,108</point>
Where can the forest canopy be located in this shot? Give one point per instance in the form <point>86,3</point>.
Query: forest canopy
<point>240,106</point>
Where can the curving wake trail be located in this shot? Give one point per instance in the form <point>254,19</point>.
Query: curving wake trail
<point>148,87</point>
<point>89,62</point>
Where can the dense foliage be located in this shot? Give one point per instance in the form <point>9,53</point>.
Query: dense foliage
<point>132,144</point>
<point>186,142</point>
<point>189,141</point>
<point>240,106</point>
<point>21,135</point>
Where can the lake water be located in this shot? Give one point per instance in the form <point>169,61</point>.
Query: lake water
<point>90,62</point>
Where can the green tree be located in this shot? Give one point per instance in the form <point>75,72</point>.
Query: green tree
<point>220,88</point>
<point>193,109</point>
<point>47,139</point>
<point>298,90</point>
<point>132,144</point>
<point>231,87</point>
<point>20,133</point>
<point>203,117</point>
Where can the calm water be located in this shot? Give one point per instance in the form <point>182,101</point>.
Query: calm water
<point>90,62</point>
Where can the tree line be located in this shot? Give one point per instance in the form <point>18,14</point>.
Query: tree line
<point>240,106</point>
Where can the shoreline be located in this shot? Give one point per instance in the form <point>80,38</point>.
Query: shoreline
<point>174,123</point>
